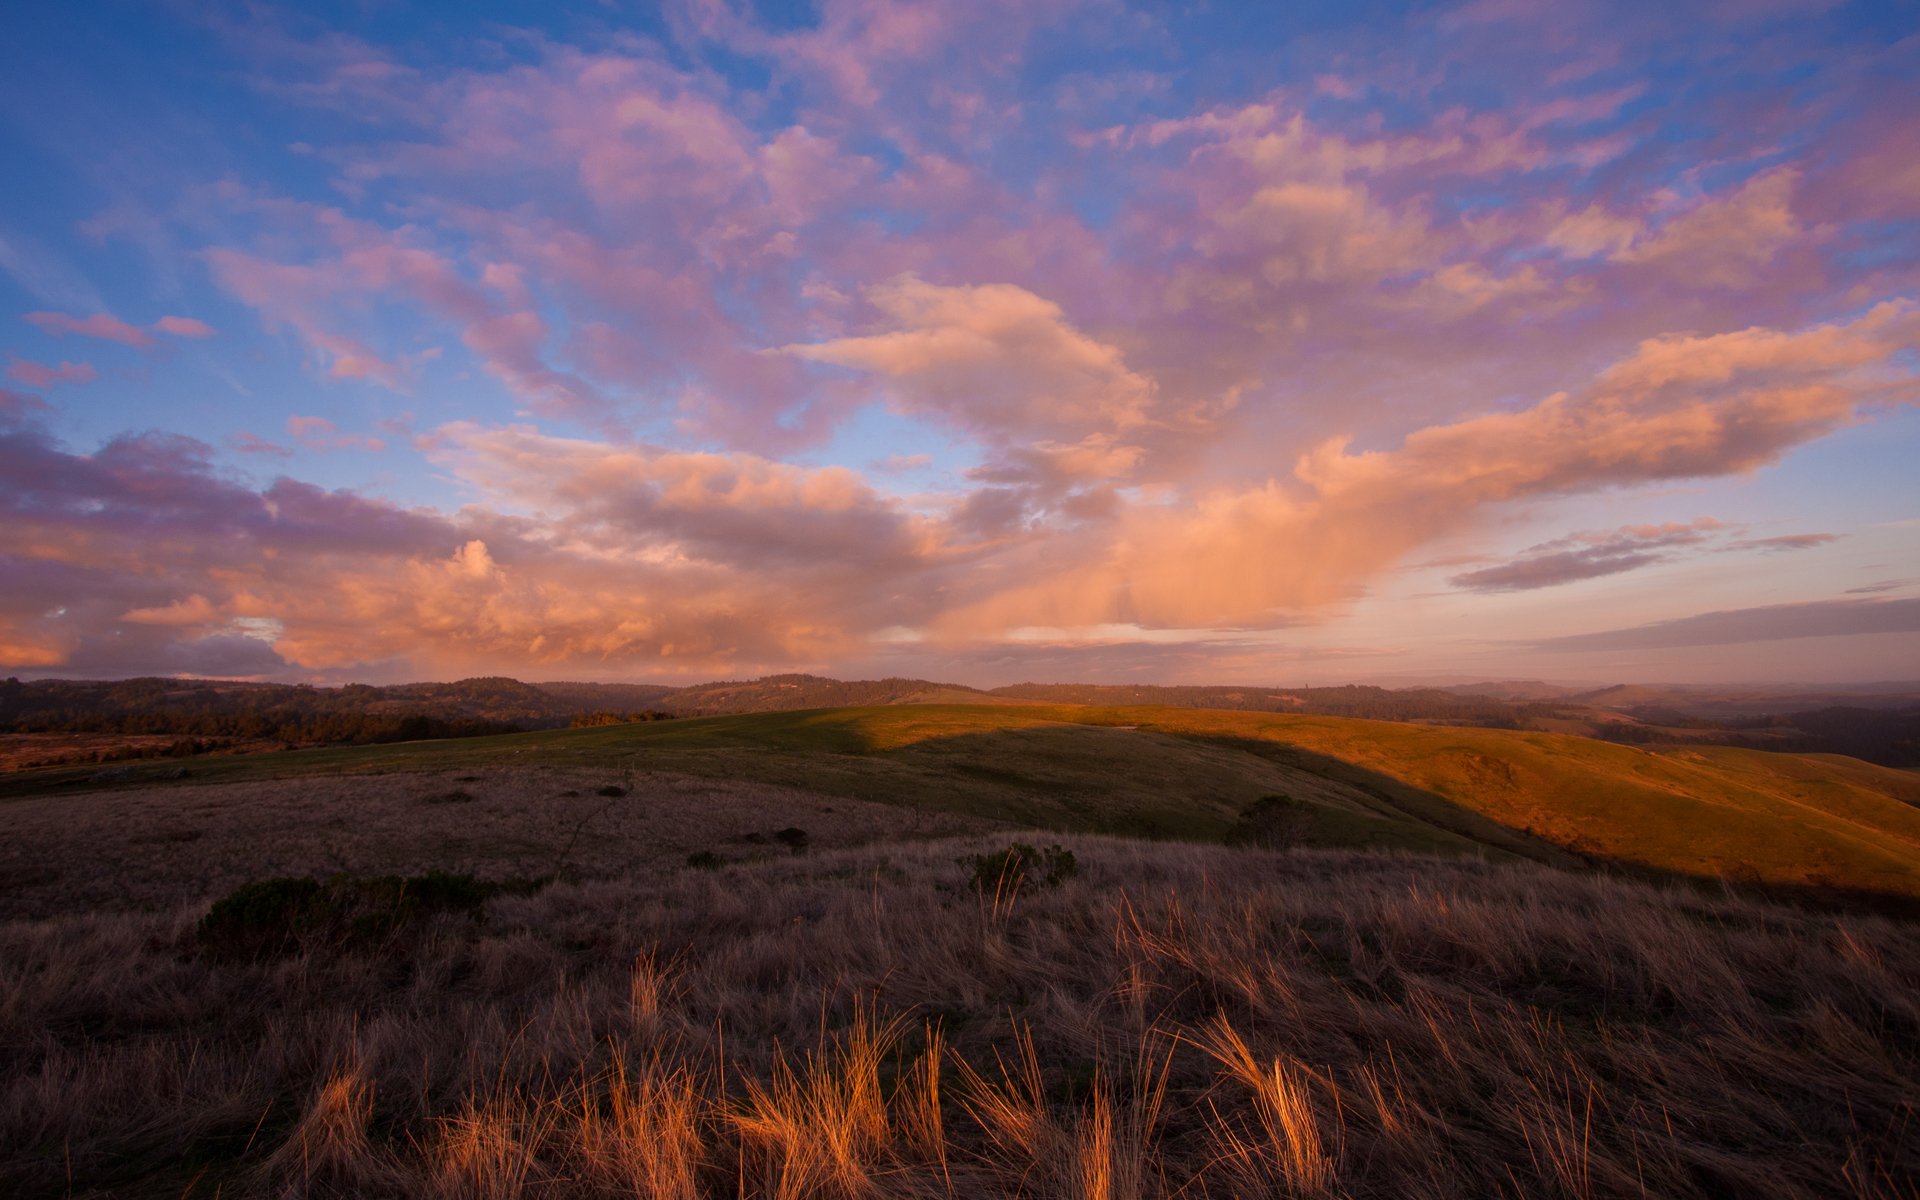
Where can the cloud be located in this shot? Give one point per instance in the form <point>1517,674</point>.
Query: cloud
<point>358,262</point>
<point>993,359</point>
<point>252,443</point>
<point>42,376</point>
<point>100,325</point>
<point>1778,622</point>
<point>108,327</point>
<point>1680,407</point>
<point>1181,370</point>
<point>16,407</point>
<point>316,433</point>
<point>195,610</point>
<point>1586,556</point>
<point>1785,542</point>
<point>702,565</point>
<point>1726,241</point>
<point>186,327</point>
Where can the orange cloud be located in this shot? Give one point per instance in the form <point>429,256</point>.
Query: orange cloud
<point>1262,556</point>
<point>993,358</point>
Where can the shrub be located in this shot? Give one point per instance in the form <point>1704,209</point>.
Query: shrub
<point>792,838</point>
<point>613,790</point>
<point>1273,823</point>
<point>260,918</point>
<point>1017,863</point>
<point>705,860</point>
<point>268,917</point>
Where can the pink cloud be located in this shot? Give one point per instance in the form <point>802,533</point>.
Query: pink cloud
<point>318,433</point>
<point>110,328</point>
<point>100,325</point>
<point>18,406</point>
<point>186,327</point>
<point>39,375</point>
<point>1726,241</point>
<point>253,443</point>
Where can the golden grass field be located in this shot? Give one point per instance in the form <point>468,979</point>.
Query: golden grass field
<point>1500,964</point>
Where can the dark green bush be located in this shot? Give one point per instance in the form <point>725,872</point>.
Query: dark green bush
<point>261,918</point>
<point>283,916</point>
<point>1019,863</point>
<point>1272,823</point>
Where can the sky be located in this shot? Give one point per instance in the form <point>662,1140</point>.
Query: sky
<point>991,341</point>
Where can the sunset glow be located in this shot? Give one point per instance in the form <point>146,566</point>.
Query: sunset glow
<point>980,342</point>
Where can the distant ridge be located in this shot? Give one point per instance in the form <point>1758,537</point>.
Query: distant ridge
<point>1880,724</point>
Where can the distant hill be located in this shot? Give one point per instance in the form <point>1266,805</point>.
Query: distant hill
<point>1513,689</point>
<point>1879,724</point>
<point>1377,703</point>
<point>786,693</point>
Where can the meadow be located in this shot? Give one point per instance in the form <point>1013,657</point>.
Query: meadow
<point>1490,964</point>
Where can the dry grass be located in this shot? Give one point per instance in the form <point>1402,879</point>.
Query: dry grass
<point>159,847</point>
<point>1179,1021</point>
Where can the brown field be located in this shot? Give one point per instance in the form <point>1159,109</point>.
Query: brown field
<point>871,1017</point>
<point>1177,1021</point>
<point>151,847</point>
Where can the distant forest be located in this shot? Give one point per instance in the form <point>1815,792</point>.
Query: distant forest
<point>212,714</point>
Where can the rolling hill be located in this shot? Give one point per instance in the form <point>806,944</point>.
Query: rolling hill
<point>1817,822</point>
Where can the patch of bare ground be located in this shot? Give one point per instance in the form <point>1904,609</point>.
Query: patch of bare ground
<point>1176,1020</point>
<point>158,847</point>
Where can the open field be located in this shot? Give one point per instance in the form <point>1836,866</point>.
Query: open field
<point>156,848</point>
<point>1791,821</point>
<point>1432,995</point>
<point>1174,1021</point>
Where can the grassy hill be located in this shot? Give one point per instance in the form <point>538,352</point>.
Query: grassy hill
<point>1785,820</point>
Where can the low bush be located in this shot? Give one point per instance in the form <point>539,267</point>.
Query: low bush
<point>1272,823</point>
<point>1017,864</point>
<point>792,838</point>
<point>270,917</point>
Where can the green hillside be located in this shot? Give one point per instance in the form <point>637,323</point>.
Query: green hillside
<point>1780,819</point>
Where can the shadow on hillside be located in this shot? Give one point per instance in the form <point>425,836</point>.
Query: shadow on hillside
<point>1199,804</point>
<point>1064,775</point>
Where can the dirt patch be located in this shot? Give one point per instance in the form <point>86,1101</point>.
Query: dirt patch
<point>151,848</point>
